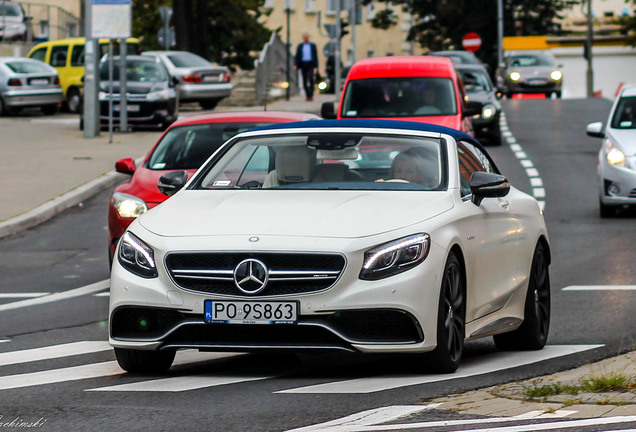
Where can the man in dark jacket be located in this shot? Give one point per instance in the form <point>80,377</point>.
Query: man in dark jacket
<point>307,61</point>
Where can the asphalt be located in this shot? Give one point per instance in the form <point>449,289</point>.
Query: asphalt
<point>50,167</point>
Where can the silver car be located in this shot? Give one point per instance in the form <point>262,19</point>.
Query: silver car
<point>28,83</point>
<point>14,23</point>
<point>617,157</point>
<point>529,72</point>
<point>199,80</point>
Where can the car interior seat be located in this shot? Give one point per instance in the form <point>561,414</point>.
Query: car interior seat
<point>335,172</point>
<point>294,164</point>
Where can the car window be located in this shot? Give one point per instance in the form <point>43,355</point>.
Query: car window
<point>329,162</point>
<point>77,55</point>
<point>58,55</point>
<point>399,97</point>
<point>187,60</point>
<point>27,67</point>
<point>136,71</point>
<point>187,147</point>
<point>625,114</point>
<point>475,81</point>
<point>471,159</point>
<point>39,54</point>
<point>132,48</point>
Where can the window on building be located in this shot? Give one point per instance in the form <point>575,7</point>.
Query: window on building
<point>310,6</point>
<point>44,28</point>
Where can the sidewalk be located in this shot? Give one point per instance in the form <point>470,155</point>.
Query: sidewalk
<point>51,167</point>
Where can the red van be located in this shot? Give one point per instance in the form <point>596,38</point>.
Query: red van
<point>424,89</point>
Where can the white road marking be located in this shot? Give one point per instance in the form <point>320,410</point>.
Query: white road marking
<point>542,414</point>
<point>600,288</point>
<point>102,294</point>
<point>469,367</point>
<point>182,383</point>
<point>527,163</point>
<point>521,154</point>
<point>53,351</point>
<point>23,295</point>
<point>487,422</point>
<point>536,182</point>
<point>532,172</point>
<point>88,289</point>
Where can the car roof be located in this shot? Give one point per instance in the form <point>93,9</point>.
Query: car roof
<point>402,66</point>
<point>246,116</point>
<point>628,90</point>
<point>372,123</point>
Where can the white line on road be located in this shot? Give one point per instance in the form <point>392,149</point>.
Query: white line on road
<point>543,414</point>
<point>64,295</point>
<point>53,351</point>
<point>600,288</point>
<point>182,383</point>
<point>23,295</point>
<point>469,367</point>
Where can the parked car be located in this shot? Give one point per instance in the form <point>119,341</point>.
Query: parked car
<point>617,156</point>
<point>199,80</point>
<point>28,83</point>
<point>67,57</point>
<point>15,25</point>
<point>151,94</point>
<point>479,87</point>
<point>184,146</point>
<point>460,57</point>
<point>416,88</point>
<point>276,244</point>
<point>529,72</point>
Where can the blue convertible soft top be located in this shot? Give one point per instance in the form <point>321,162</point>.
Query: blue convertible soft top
<point>368,123</point>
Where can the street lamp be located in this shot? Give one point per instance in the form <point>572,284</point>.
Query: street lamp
<point>288,46</point>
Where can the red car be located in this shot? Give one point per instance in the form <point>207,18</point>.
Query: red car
<point>185,145</point>
<point>423,89</point>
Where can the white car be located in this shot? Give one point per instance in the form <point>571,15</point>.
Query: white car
<point>283,240</point>
<point>617,157</point>
<point>199,80</point>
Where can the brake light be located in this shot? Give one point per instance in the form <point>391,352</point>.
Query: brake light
<point>192,78</point>
<point>14,82</point>
<point>227,77</point>
<point>57,80</point>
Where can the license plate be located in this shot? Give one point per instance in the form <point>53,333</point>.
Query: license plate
<point>39,81</point>
<point>129,108</point>
<point>537,81</point>
<point>238,312</point>
<point>210,78</point>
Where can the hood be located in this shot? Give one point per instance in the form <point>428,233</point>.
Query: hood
<point>481,96</point>
<point>626,138</point>
<point>535,71</point>
<point>342,214</point>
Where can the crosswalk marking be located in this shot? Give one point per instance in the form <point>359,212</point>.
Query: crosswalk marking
<point>600,288</point>
<point>182,383</point>
<point>469,367</point>
<point>53,351</point>
<point>88,289</point>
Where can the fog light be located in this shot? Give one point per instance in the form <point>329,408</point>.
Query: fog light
<point>613,189</point>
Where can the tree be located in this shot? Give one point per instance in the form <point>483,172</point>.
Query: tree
<point>442,24</point>
<point>629,25</point>
<point>222,31</point>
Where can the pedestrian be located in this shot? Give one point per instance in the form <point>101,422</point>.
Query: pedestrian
<point>307,61</point>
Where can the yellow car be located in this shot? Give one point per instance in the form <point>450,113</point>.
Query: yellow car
<point>67,56</point>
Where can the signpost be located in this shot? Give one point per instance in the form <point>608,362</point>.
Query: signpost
<point>471,42</point>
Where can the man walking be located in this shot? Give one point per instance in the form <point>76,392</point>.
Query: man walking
<point>307,61</point>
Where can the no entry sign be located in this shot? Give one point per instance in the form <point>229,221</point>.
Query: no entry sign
<point>471,42</point>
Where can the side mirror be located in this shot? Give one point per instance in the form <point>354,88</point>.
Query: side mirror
<point>125,166</point>
<point>172,182</point>
<point>327,110</point>
<point>488,185</point>
<point>595,129</point>
<point>473,108</point>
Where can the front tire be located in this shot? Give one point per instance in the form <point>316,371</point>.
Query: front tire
<point>144,362</point>
<point>73,100</point>
<point>533,332</point>
<point>451,319</point>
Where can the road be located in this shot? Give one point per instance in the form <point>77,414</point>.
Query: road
<point>57,369</point>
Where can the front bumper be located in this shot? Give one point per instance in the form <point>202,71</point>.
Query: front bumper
<point>526,87</point>
<point>617,185</point>
<point>143,113</point>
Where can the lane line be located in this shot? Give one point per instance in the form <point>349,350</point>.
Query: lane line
<point>182,383</point>
<point>23,295</point>
<point>53,351</point>
<point>600,288</point>
<point>469,367</point>
<point>64,295</point>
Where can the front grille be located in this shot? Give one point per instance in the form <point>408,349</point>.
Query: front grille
<point>289,273</point>
<point>632,193</point>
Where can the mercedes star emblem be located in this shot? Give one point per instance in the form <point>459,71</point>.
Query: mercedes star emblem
<point>251,276</point>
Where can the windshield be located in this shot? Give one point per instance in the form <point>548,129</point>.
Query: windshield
<point>187,60</point>
<point>136,71</point>
<point>10,10</point>
<point>530,60</point>
<point>328,161</point>
<point>399,97</point>
<point>187,147</point>
<point>475,81</point>
<point>625,114</point>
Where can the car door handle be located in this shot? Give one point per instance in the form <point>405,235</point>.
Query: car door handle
<point>504,204</point>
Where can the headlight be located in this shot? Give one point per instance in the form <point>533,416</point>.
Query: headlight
<point>158,95</point>
<point>128,206</point>
<point>613,155</point>
<point>556,75</point>
<point>136,256</point>
<point>488,111</point>
<point>515,76</point>
<point>395,257</point>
